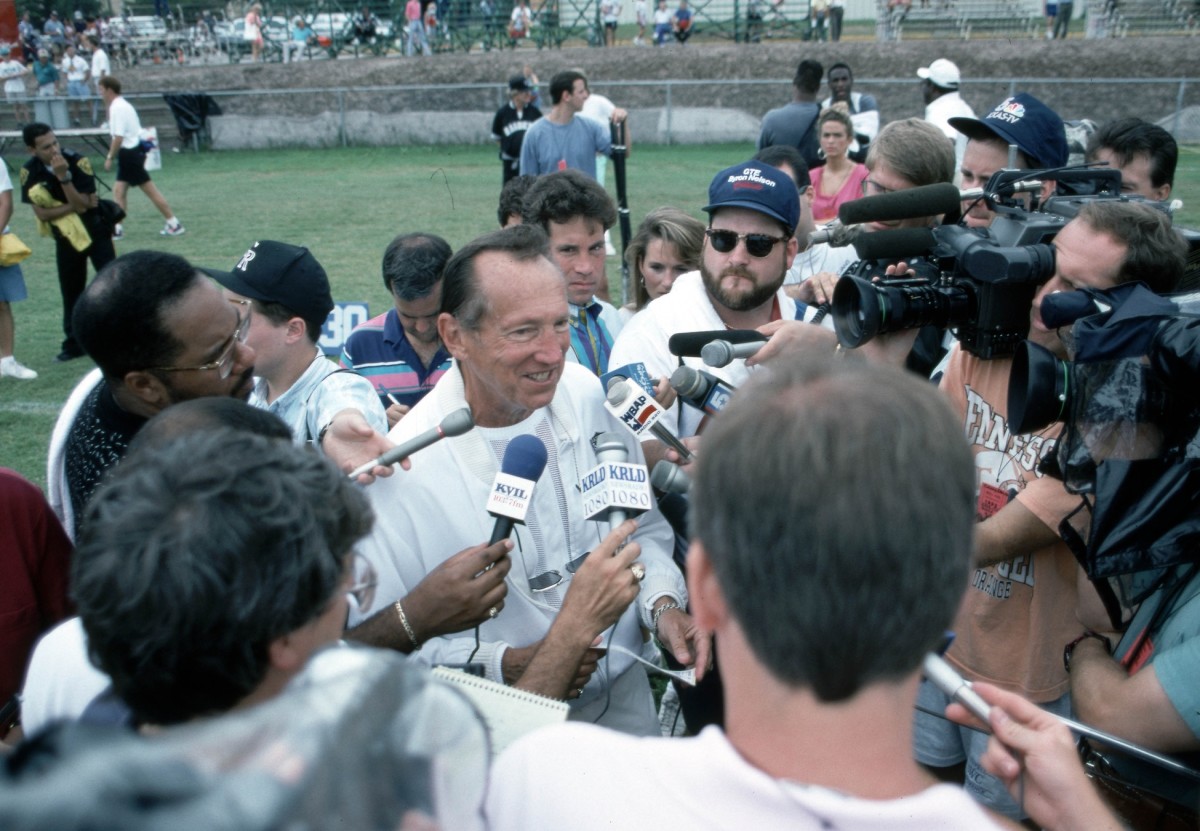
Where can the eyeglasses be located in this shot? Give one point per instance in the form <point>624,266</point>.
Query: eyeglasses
<point>872,188</point>
<point>758,245</point>
<point>224,364</point>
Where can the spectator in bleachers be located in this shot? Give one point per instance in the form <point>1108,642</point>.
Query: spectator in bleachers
<point>862,108</point>
<point>1023,120</point>
<point>681,22</point>
<point>1062,18</point>
<point>13,73</point>
<point>939,87</point>
<point>1145,153</point>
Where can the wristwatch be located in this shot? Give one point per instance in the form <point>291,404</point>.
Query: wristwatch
<point>67,180</point>
<point>1069,649</point>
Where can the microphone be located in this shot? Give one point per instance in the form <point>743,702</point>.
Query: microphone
<point>895,244</point>
<point>455,424</point>
<point>689,344</point>
<point>701,389</point>
<point>638,411</point>
<point>836,234</point>
<point>929,200</point>
<point>669,477</point>
<point>722,353</point>
<point>524,461</point>
<point>615,488</point>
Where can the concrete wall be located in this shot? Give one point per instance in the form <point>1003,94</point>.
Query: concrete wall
<point>683,125</point>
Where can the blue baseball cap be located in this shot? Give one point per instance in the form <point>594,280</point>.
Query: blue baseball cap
<point>756,187</point>
<point>1026,122</point>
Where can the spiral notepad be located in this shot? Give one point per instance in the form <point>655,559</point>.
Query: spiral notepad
<point>508,712</point>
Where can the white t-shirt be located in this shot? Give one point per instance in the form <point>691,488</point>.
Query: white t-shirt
<point>100,64</point>
<point>75,68</point>
<point>123,121</point>
<point>585,778</point>
<point>13,74</point>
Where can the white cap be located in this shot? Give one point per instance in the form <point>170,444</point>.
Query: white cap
<point>941,73</point>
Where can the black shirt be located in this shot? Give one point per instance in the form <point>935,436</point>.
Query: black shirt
<point>35,172</point>
<point>98,439</point>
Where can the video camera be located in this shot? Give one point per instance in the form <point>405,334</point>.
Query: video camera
<point>1131,408</point>
<point>983,280</point>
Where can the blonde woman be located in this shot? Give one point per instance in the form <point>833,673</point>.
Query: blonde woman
<point>666,245</point>
<point>840,180</point>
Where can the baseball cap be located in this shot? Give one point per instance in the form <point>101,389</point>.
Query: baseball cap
<point>519,83</point>
<point>941,73</point>
<point>275,272</point>
<point>756,187</point>
<point>1026,122</point>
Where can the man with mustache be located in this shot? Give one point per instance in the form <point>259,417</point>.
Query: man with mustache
<point>160,332</point>
<point>753,210</point>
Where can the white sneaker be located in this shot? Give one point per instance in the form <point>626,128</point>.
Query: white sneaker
<point>10,367</point>
<point>176,230</point>
<point>118,231</point>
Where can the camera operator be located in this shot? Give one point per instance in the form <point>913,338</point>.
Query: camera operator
<point>1021,605</point>
<point>906,154</point>
<point>1023,120</point>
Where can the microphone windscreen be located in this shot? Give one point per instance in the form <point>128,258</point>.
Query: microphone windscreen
<point>690,344</point>
<point>929,200</point>
<point>894,244</point>
<point>457,423</point>
<point>525,458</point>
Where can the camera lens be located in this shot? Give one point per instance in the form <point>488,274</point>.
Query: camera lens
<point>862,310</point>
<point>1039,389</point>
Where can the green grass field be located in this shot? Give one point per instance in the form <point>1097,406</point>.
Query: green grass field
<point>345,204</point>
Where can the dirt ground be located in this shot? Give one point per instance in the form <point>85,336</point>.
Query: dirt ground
<point>1149,58</point>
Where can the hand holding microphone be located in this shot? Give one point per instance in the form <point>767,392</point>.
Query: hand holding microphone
<point>637,411</point>
<point>455,424</point>
<point>512,491</point>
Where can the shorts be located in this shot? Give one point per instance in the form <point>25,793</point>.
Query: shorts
<point>131,167</point>
<point>12,284</point>
<point>16,94</point>
<point>78,89</point>
<point>940,743</point>
<point>610,24</point>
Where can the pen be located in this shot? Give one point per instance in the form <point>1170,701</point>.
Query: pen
<point>394,400</point>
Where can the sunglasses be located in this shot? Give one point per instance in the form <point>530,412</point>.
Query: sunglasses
<point>758,245</point>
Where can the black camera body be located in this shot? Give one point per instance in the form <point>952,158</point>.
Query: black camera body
<point>981,283</point>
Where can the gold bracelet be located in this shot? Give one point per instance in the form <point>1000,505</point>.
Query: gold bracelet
<point>408,630</point>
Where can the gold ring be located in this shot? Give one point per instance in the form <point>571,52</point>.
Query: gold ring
<point>639,571</point>
<point>492,612</point>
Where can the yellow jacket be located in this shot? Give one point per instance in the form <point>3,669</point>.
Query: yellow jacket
<point>70,226</point>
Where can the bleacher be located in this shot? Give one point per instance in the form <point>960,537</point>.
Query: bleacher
<point>962,19</point>
<point>1122,18</point>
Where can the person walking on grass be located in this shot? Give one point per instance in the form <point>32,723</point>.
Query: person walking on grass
<point>126,149</point>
